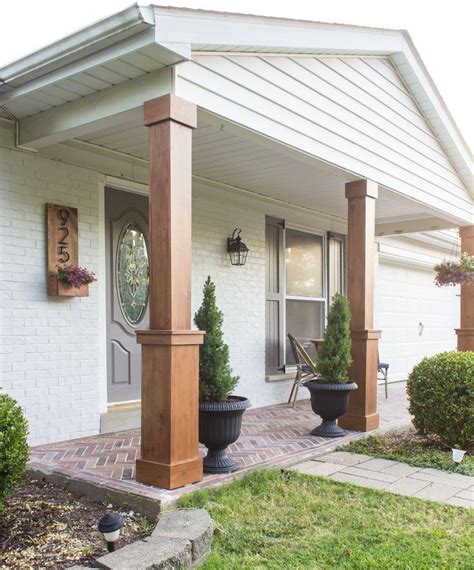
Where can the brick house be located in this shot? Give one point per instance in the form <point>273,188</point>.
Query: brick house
<point>280,117</point>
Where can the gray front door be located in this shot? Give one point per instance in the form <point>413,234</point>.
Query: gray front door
<point>126,217</point>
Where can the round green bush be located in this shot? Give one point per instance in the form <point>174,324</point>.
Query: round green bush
<point>441,393</point>
<point>13,447</point>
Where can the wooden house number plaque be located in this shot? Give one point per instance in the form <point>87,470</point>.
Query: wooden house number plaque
<point>63,241</point>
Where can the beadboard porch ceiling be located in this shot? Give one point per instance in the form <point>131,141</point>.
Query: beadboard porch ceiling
<point>249,162</point>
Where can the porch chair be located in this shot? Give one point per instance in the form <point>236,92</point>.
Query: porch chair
<point>305,367</point>
<point>382,369</point>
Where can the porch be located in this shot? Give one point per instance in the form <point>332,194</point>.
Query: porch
<point>272,436</point>
<point>307,135</point>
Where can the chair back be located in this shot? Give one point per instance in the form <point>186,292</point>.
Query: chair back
<point>300,354</point>
<point>294,350</point>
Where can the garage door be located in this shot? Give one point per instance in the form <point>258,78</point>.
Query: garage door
<point>416,317</point>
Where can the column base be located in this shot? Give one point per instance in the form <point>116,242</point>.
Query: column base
<point>465,340</point>
<point>359,423</point>
<point>169,476</point>
<point>170,408</point>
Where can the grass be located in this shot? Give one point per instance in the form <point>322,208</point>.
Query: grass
<point>413,449</point>
<point>271,519</point>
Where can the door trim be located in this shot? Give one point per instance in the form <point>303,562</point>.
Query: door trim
<point>102,301</point>
<point>124,185</point>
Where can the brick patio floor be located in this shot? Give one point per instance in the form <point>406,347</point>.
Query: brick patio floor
<point>271,436</point>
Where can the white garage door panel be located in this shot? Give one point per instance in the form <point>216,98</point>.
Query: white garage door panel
<point>405,297</point>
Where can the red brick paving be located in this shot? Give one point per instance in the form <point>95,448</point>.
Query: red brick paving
<point>271,436</point>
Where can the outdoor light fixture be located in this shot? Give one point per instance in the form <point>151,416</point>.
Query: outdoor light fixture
<point>237,249</point>
<point>110,526</point>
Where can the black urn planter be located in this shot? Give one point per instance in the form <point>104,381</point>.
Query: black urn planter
<point>330,401</point>
<point>220,424</point>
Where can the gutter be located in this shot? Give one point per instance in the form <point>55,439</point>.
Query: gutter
<point>92,39</point>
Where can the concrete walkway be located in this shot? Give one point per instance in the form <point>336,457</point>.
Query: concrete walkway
<point>392,476</point>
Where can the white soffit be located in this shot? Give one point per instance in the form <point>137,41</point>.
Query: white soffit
<point>221,157</point>
<point>108,53</point>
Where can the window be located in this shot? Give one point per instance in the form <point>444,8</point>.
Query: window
<point>303,270</point>
<point>304,299</point>
<point>132,273</point>
<point>336,264</point>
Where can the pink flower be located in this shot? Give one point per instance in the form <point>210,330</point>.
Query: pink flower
<point>75,276</point>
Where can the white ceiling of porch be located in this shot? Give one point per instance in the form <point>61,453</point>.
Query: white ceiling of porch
<point>223,157</point>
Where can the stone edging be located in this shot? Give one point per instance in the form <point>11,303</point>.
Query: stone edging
<point>181,539</point>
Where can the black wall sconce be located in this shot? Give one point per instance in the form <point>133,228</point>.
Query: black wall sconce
<point>237,249</point>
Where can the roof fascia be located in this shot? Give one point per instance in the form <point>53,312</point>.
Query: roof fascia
<point>92,39</point>
<point>200,28</point>
<point>418,80</point>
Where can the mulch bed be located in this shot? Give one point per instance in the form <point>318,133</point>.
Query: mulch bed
<point>47,527</point>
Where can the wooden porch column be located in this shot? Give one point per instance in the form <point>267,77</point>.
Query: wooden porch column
<point>466,331</point>
<point>362,414</point>
<point>170,350</point>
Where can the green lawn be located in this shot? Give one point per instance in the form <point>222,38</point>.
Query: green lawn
<point>413,449</point>
<point>271,519</point>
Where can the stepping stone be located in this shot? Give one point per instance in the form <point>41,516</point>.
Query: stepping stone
<point>444,478</point>
<point>468,495</point>
<point>400,470</point>
<point>458,502</point>
<point>379,476</point>
<point>344,458</point>
<point>407,487</point>
<point>317,468</point>
<point>362,481</point>
<point>436,492</point>
<point>463,481</point>
<point>377,464</point>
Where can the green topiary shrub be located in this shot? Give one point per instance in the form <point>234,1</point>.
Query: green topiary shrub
<point>441,393</point>
<point>334,356</point>
<point>13,447</point>
<point>215,375</point>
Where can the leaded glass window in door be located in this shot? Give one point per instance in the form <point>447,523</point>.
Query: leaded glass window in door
<point>132,273</point>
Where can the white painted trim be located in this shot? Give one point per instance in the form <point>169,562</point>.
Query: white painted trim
<point>122,103</point>
<point>404,261</point>
<point>286,54</point>
<point>102,288</point>
<point>107,54</point>
<point>126,185</point>
<point>69,48</point>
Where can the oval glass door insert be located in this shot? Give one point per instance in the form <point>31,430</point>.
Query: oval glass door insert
<point>132,272</point>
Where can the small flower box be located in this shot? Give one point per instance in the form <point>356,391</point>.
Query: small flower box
<point>60,289</point>
<point>70,281</point>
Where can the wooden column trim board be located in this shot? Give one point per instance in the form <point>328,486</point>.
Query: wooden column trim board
<point>362,413</point>
<point>465,333</point>
<point>170,349</point>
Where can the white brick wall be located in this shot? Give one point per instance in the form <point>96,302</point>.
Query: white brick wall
<point>49,346</point>
<point>50,356</point>
<point>240,290</point>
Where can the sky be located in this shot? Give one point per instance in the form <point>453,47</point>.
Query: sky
<point>441,30</point>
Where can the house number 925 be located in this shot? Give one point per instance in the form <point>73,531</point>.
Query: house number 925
<point>63,254</point>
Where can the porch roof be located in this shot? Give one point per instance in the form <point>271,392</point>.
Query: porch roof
<point>141,40</point>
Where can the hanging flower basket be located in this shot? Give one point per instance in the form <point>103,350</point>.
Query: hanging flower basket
<point>73,281</point>
<point>458,272</point>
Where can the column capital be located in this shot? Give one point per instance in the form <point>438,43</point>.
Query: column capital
<point>466,231</point>
<point>170,108</point>
<point>361,188</point>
